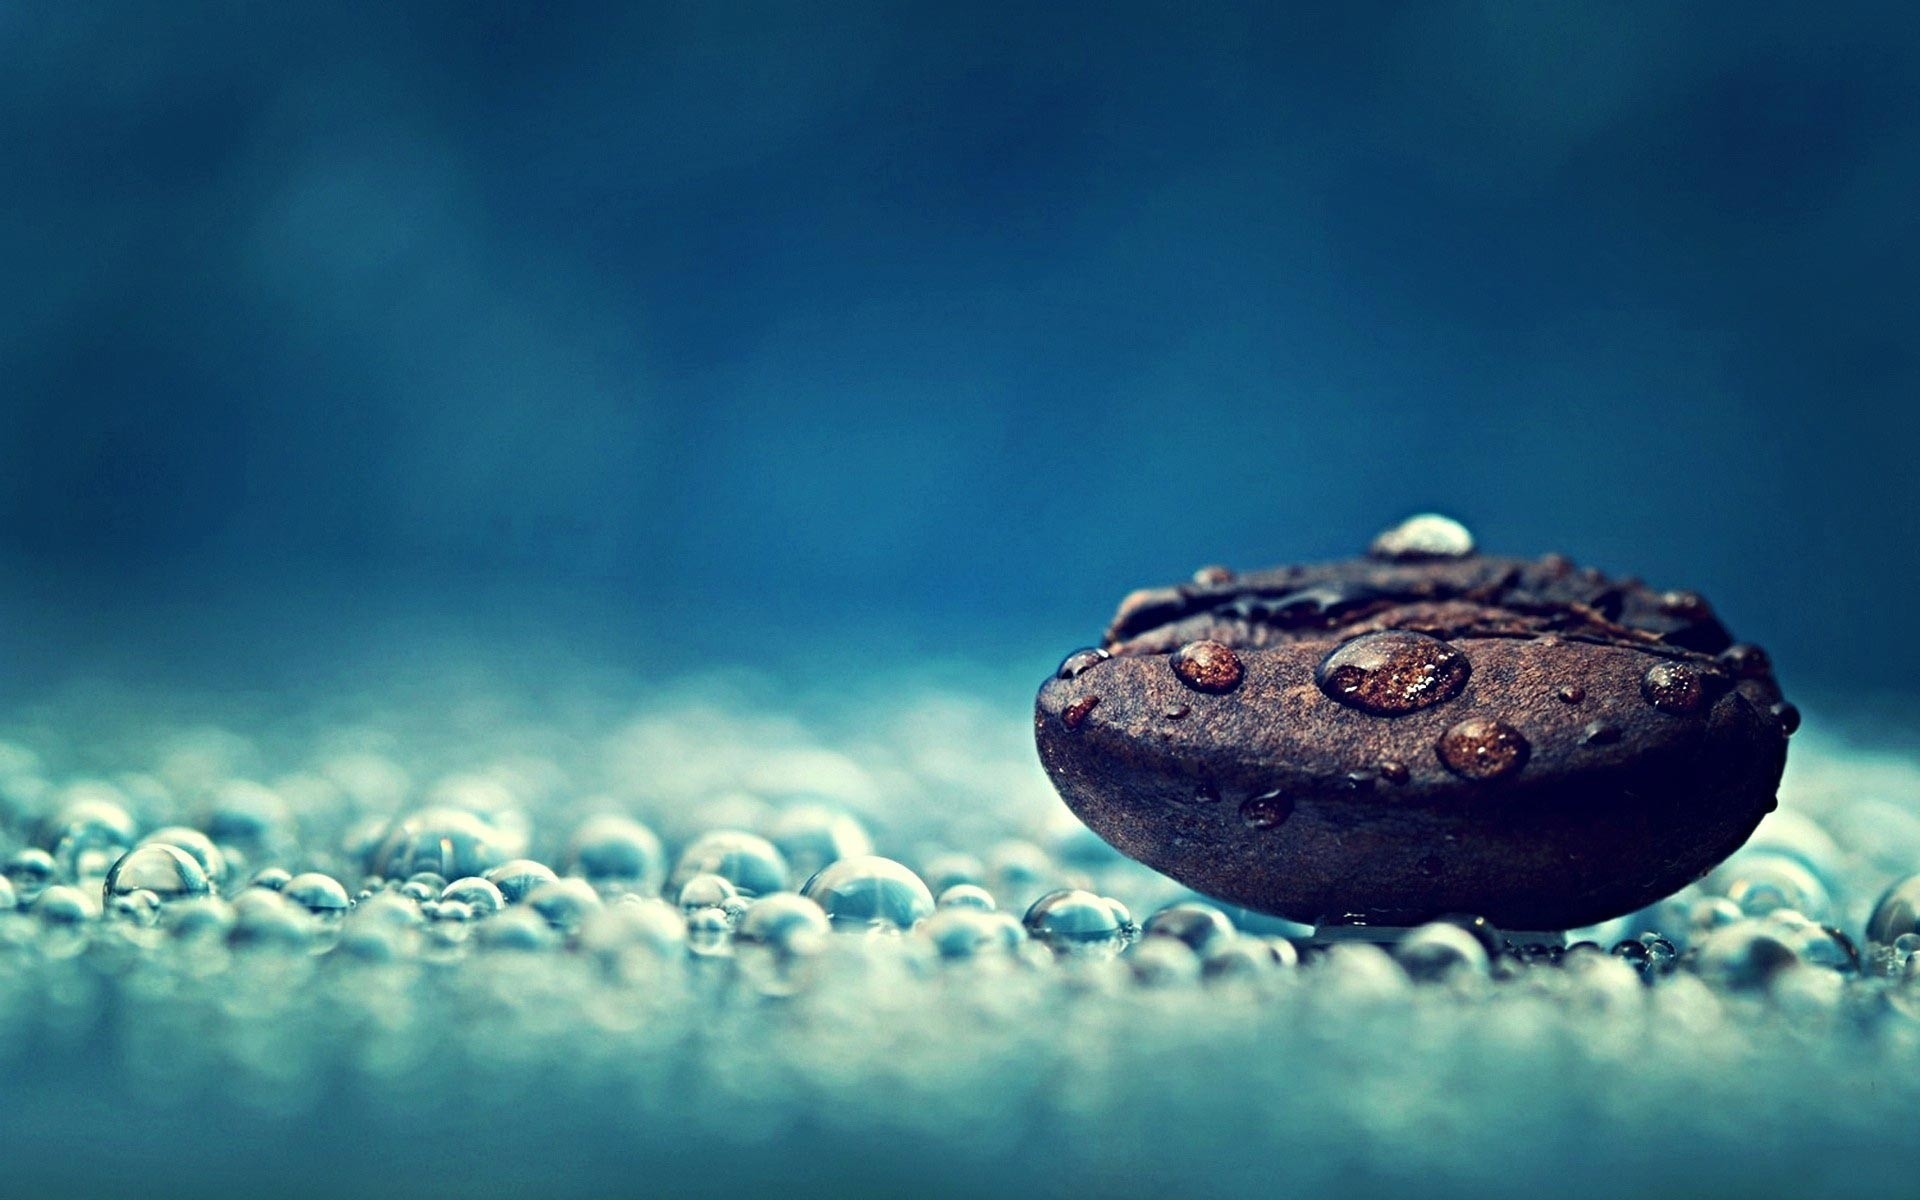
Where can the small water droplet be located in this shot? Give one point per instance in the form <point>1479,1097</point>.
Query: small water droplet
<point>1393,672</point>
<point>1684,604</point>
<point>1677,687</point>
<point>1394,771</point>
<point>1176,712</point>
<point>1076,712</point>
<point>1206,793</point>
<point>1571,693</point>
<point>1208,667</point>
<point>1423,535</point>
<point>1266,811</point>
<point>1746,661</point>
<point>1788,715</point>
<point>1077,663</point>
<point>1600,733</point>
<point>1483,749</point>
<point>705,891</point>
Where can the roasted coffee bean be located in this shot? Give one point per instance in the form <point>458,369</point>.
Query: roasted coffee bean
<point>1422,731</point>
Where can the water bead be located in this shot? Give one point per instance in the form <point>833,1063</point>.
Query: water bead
<point>62,904</point>
<point>450,842</point>
<point>636,924</point>
<point>966,895</point>
<point>9,899</point>
<point>1423,536</point>
<point>749,862</point>
<point>1075,922</point>
<point>618,849</point>
<point>784,921</point>
<point>1440,950</point>
<point>249,816</point>
<point>318,893</point>
<point>1393,672</point>
<point>1483,750</point>
<point>970,933</point>
<point>479,895</point>
<point>271,878</point>
<point>1762,881</point>
<point>31,871</point>
<point>165,871</point>
<point>1079,662</point>
<point>1896,914</point>
<point>1199,926</point>
<point>565,903</point>
<point>195,843</point>
<point>518,876</point>
<point>89,832</point>
<point>1207,666</point>
<point>709,932</point>
<point>867,890</point>
<point>706,891</point>
<point>433,882</point>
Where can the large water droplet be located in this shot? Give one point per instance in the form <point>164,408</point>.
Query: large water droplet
<point>168,872</point>
<point>867,890</point>
<point>1423,535</point>
<point>1393,672</point>
<point>1207,667</point>
<point>1483,749</point>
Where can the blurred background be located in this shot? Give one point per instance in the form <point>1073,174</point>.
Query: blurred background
<point>740,329</point>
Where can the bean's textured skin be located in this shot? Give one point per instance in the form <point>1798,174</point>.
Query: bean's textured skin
<point>1421,794</point>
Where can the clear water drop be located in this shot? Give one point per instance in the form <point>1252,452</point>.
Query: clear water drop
<point>867,890</point>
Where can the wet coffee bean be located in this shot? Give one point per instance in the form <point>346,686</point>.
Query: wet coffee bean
<point>1421,731</point>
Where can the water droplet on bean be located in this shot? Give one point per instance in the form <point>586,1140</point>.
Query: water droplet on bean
<point>1393,672</point>
<point>1208,667</point>
<point>1483,749</point>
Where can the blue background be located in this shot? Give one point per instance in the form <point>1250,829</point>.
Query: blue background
<point>954,319</point>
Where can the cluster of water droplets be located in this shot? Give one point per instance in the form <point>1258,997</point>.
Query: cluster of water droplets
<point>725,934</point>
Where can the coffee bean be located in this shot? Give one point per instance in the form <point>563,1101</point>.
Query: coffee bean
<point>1421,731</point>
